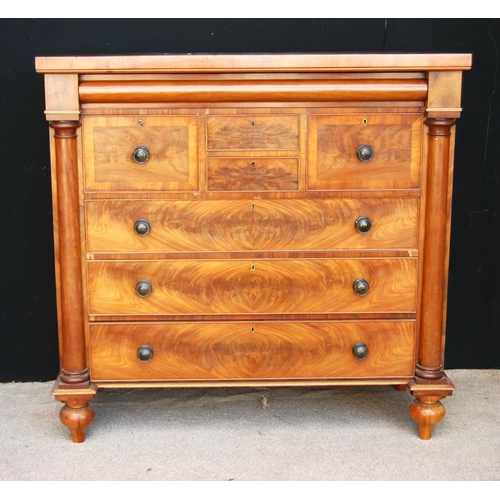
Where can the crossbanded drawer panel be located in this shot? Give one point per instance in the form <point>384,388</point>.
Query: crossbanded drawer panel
<point>334,140</point>
<point>110,142</point>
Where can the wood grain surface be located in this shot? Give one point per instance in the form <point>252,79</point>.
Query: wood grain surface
<point>251,350</point>
<point>334,140</point>
<point>237,225</point>
<point>247,133</point>
<point>256,63</point>
<point>252,174</point>
<point>109,143</point>
<point>252,286</point>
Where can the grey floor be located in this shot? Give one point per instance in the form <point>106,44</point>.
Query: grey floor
<point>279,434</point>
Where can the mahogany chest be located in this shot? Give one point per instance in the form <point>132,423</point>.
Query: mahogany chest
<point>252,220</point>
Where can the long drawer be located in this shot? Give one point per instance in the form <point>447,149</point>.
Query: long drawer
<point>222,225</point>
<point>252,286</point>
<point>281,350</point>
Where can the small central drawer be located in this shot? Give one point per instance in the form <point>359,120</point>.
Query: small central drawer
<point>282,350</point>
<point>253,132</point>
<point>252,174</point>
<point>270,286</point>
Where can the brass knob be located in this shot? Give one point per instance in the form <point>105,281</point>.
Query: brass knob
<point>144,288</point>
<point>141,155</point>
<point>363,224</point>
<point>145,353</point>
<point>360,350</point>
<point>365,153</point>
<point>142,227</point>
<point>361,287</point>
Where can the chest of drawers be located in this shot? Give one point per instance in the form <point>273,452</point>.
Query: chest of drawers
<point>252,220</point>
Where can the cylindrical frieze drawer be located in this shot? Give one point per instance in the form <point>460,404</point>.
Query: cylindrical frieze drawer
<point>252,286</point>
<point>253,132</point>
<point>252,174</point>
<point>134,153</point>
<point>266,90</point>
<point>238,225</point>
<point>364,151</point>
<point>268,351</point>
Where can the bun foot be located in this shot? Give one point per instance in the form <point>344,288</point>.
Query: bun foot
<point>427,411</point>
<point>77,418</point>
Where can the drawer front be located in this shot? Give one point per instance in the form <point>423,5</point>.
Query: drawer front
<point>208,351</point>
<point>110,144</point>
<point>222,225</point>
<point>252,133</point>
<point>245,286</point>
<point>252,174</point>
<point>393,163</point>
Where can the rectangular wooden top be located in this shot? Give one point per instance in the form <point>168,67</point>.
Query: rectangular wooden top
<point>241,63</point>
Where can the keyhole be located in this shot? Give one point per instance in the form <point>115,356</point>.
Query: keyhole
<point>253,206</point>
<point>141,123</point>
<point>253,165</point>
<point>252,329</point>
<point>365,121</point>
<point>253,122</point>
<point>252,267</point>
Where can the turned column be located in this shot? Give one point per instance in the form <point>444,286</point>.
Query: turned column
<point>431,384</point>
<point>73,385</point>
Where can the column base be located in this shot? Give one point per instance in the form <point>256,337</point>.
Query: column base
<point>427,409</point>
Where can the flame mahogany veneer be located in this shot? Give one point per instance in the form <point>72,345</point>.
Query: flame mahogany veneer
<point>252,220</point>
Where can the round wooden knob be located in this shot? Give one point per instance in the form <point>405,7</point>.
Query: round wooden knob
<point>363,224</point>
<point>361,287</point>
<point>145,353</point>
<point>141,154</point>
<point>144,288</point>
<point>365,153</point>
<point>360,350</point>
<point>142,227</point>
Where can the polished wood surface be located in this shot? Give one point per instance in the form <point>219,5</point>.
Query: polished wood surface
<point>334,140</point>
<point>252,91</point>
<point>237,225</point>
<point>72,336</point>
<point>252,286</point>
<point>237,63</point>
<point>252,174</point>
<point>197,351</point>
<point>430,361</point>
<point>247,133</point>
<point>241,224</point>
<point>109,144</point>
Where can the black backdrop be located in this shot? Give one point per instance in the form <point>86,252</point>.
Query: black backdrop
<point>28,338</point>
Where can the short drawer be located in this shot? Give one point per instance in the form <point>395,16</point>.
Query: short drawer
<point>232,225</point>
<point>265,286</point>
<point>267,351</point>
<point>252,174</point>
<point>263,132</point>
<point>150,153</point>
<point>364,152</point>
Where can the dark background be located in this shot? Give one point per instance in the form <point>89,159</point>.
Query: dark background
<point>28,325</point>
